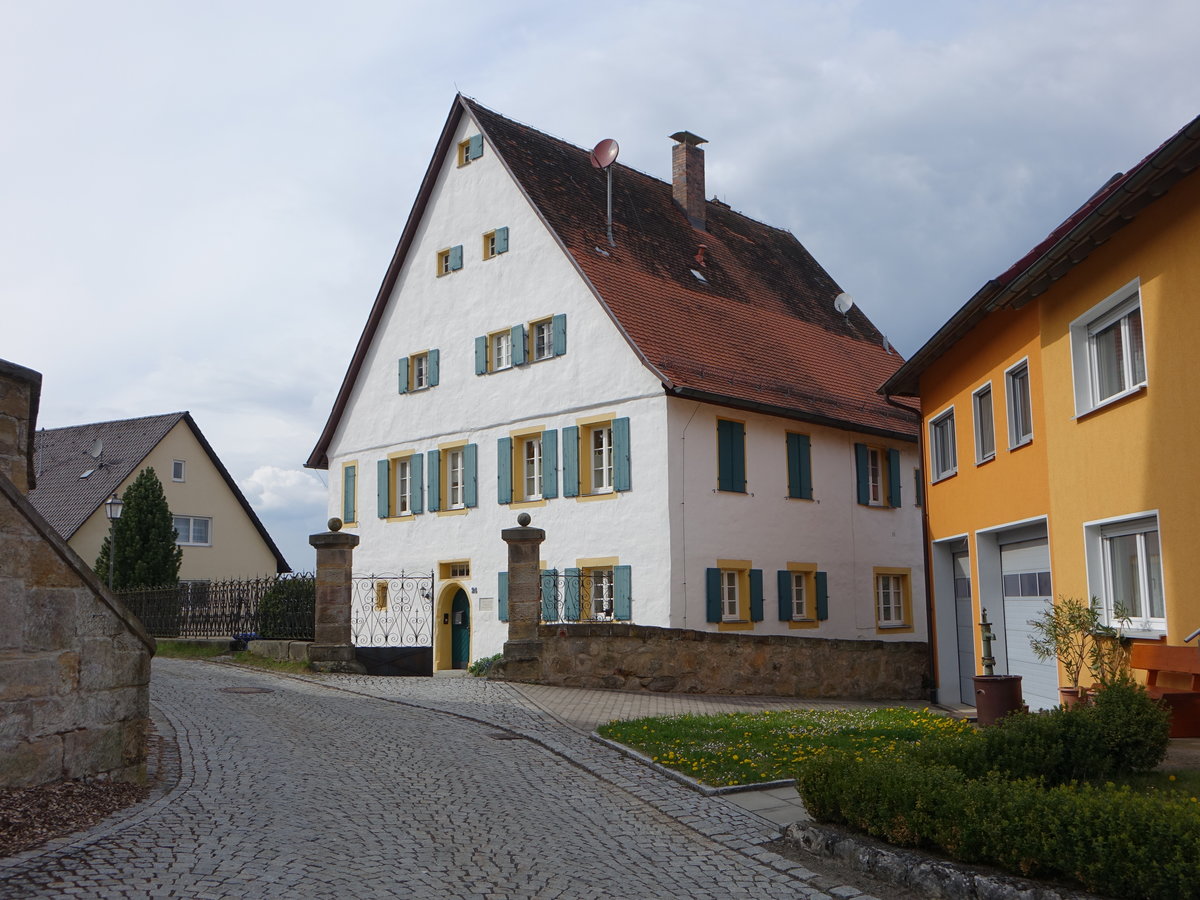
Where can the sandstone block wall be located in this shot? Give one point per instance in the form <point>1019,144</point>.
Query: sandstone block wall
<point>74,663</point>
<point>642,658</point>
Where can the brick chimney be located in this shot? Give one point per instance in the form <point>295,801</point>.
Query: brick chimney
<point>687,176</point>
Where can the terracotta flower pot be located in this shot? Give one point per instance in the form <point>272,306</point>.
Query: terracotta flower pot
<point>1072,696</point>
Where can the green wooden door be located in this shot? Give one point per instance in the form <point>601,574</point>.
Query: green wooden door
<point>460,631</point>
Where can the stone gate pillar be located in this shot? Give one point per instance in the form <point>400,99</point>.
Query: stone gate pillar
<point>522,650</point>
<point>332,649</point>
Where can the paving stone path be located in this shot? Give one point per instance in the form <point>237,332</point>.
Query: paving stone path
<point>348,786</point>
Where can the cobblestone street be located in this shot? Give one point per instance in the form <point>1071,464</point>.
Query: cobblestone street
<point>347,786</point>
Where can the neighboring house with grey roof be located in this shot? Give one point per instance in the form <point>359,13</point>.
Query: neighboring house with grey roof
<point>685,409</point>
<point>79,467</point>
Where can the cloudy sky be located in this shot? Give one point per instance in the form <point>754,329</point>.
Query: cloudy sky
<point>198,201</point>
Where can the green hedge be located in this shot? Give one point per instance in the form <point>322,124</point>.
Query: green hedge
<point>1110,840</point>
<point>1028,795</point>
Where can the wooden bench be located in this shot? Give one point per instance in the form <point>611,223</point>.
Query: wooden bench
<point>1183,702</point>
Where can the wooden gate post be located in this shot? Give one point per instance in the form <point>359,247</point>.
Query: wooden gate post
<point>332,649</point>
<point>523,649</point>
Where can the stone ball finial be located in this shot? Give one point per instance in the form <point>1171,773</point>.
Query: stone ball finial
<point>335,524</point>
<point>523,519</point>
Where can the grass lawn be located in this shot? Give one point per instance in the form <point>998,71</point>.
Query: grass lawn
<point>745,748</point>
<point>183,650</point>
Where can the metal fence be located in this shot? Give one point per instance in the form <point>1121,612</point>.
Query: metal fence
<point>579,595</point>
<point>392,610</point>
<point>276,607</point>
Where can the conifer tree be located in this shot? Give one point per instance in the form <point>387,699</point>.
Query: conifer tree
<point>146,552</point>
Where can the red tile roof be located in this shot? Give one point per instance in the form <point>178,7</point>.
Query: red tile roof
<point>760,331</point>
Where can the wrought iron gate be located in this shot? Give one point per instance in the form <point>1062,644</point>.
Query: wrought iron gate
<point>391,619</point>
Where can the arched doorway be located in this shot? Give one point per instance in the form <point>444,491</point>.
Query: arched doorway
<point>460,631</point>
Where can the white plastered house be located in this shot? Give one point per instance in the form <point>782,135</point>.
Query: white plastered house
<point>683,410</point>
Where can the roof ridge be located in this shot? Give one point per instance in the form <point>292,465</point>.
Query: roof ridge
<point>175,415</point>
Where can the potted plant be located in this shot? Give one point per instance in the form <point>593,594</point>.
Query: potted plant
<point>1066,632</point>
<point>1108,656</point>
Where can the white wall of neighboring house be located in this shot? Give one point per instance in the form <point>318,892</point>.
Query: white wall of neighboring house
<point>235,549</point>
<point>766,527</point>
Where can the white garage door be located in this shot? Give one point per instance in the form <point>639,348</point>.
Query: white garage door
<point>1027,593</point>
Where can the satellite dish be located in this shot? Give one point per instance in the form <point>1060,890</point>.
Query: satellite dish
<point>604,154</point>
<point>843,302</point>
<point>97,449</point>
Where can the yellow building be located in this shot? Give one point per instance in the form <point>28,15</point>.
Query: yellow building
<point>81,466</point>
<point>1058,430</point>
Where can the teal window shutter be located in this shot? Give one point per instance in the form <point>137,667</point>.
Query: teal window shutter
<point>623,593</point>
<point>471,475</point>
<point>712,594</point>
<point>416,480</point>
<point>784,579</point>
<point>349,479</point>
<point>570,460</point>
<point>435,367</point>
<point>558,327</point>
<point>549,595</point>
<point>518,345</point>
<point>475,146</point>
<point>502,595</point>
<point>894,478</point>
<point>571,595</point>
<point>402,372</point>
<point>435,480</point>
<point>731,456</point>
<point>756,595</point>
<point>622,474</point>
<point>822,581</point>
<point>502,239</point>
<point>481,355</point>
<point>504,470</point>
<point>549,464</point>
<point>862,473</point>
<point>382,488</point>
<point>456,257</point>
<point>799,455</point>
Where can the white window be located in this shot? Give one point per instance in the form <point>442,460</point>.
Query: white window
<point>177,469</point>
<point>1108,350</point>
<point>501,350</point>
<point>543,340</point>
<point>943,458</point>
<point>602,593</point>
<point>729,595</point>
<point>531,467</point>
<point>889,600</point>
<point>1125,559</point>
<point>601,459</point>
<point>403,482</point>
<point>800,596</point>
<point>875,476</point>
<point>454,479</point>
<point>985,425</point>
<point>194,531</point>
<point>420,371</point>
<point>1020,409</point>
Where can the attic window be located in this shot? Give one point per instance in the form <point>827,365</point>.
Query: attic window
<point>699,277</point>
<point>470,149</point>
<point>601,252</point>
<point>87,473</point>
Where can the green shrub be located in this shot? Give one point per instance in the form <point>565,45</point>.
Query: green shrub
<point>286,608</point>
<point>482,666</point>
<point>1108,839</point>
<point>1133,727</point>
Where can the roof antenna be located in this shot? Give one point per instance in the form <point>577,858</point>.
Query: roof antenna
<point>603,155</point>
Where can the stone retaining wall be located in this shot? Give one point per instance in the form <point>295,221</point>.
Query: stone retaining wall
<point>642,658</point>
<point>74,663</point>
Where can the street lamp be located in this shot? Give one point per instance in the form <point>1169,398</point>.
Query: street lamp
<point>112,508</point>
